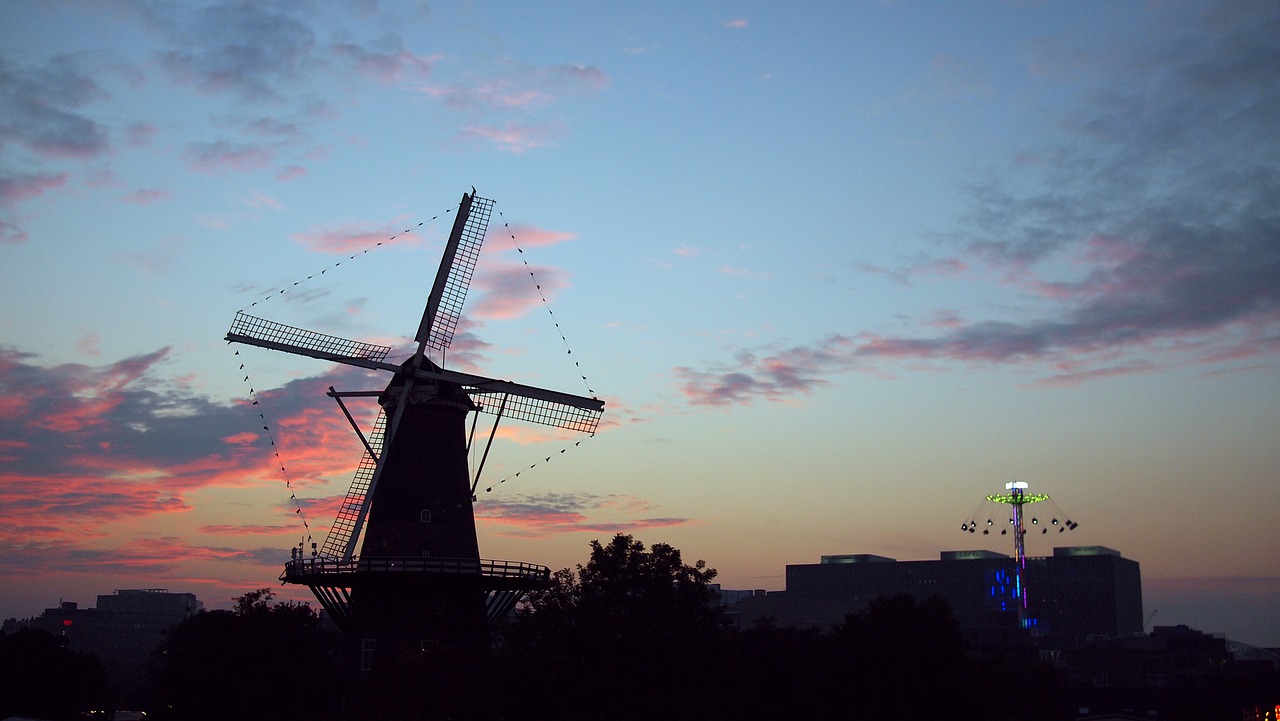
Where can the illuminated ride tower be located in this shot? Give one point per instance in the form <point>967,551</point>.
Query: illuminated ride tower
<point>1017,496</point>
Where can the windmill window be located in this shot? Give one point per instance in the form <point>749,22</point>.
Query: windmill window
<point>425,515</point>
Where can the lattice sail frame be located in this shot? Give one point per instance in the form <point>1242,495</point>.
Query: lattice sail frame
<point>345,523</point>
<point>270,334</point>
<point>534,410</point>
<point>461,267</point>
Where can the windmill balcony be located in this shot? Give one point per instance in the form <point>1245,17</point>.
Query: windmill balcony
<point>501,583</point>
<point>310,570</point>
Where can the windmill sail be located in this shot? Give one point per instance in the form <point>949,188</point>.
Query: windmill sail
<point>263,333</point>
<point>444,305</point>
<point>347,522</point>
<point>556,414</point>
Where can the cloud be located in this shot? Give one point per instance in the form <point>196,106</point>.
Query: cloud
<point>11,233</point>
<point>143,196</point>
<point>221,155</point>
<point>509,111</point>
<point>521,88</point>
<point>242,48</point>
<point>776,376</point>
<point>260,200</point>
<point>149,556</point>
<point>291,172</point>
<point>551,514</point>
<point>512,137</point>
<point>92,446</point>
<point>140,135</point>
<point>509,290</point>
<point>736,24</point>
<point>525,236</point>
<point>1143,235</point>
<point>153,264</point>
<point>16,188</point>
<point>89,344</point>
<point>743,272</point>
<point>387,68</point>
<point>353,238</point>
<point>39,109</point>
<point>248,529</point>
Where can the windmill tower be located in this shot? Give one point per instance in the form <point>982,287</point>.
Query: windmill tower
<point>418,577</point>
<point>1017,495</point>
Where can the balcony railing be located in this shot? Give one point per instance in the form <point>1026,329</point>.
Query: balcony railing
<point>304,568</point>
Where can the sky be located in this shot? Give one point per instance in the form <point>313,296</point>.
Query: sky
<point>838,269</point>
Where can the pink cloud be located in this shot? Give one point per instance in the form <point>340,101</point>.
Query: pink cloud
<point>139,135</point>
<point>14,189</point>
<point>260,200</point>
<point>508,290</point>
<point>146,197</point>
<point>736,24</point>
<point>291,172</point>
<point>387,68</point>
<point>93,445</point>
<point>526,236</point>
<point>515,138</point>
<point>89,344</point>
<point>345,240</point>
<point>223,155</point>
<point>11,234</point>
<point>248,530</point>
<point>508,112</point>
<point>130,448</point>
<point>489,95</point>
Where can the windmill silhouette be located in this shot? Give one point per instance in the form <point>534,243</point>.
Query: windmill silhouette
<point>418,576</point>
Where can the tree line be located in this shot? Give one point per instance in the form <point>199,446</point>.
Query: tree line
<point>634,633</point>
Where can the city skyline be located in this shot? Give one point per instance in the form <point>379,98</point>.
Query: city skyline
<point>839,271</point>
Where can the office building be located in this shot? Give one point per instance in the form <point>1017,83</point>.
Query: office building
<point>1078,593</point>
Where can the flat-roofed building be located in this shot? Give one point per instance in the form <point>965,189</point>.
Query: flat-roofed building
<point>1078,593</point>
<point>125,627</point>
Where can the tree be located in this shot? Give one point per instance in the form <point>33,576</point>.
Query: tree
<point>908,659</point>
<point>906,656</point>
<point>259,660</point>
<point>617,637</point>
<point>41,677</point>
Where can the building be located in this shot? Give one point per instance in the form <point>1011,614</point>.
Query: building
<point>1078,593</point>
<point>124,628</point>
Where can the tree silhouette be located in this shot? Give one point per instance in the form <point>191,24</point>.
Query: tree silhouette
<point>41,677</point>
<point>259,660</point>
<point>604,638</point>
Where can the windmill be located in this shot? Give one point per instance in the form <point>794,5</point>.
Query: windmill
<point>418,575</point>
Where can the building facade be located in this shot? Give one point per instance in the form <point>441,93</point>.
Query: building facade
<point>125,627</point>
<point>1078,593</point>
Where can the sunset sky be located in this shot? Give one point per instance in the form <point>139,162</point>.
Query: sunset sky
<point>839,270</point>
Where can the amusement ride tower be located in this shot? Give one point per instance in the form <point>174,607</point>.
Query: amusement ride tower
<point>1016,496</point>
